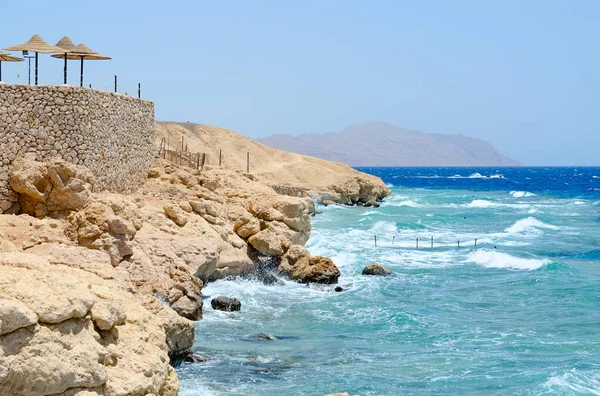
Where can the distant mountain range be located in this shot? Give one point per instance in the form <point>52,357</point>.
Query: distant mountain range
<point>382,144</point>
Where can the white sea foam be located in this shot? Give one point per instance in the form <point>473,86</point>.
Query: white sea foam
<point>574,381</point>
<point>521,194</point>
<point>494,259</point>
<point>529,224</point>
<point>596,177</point>
<point>400,200</point>
<point>477,176</point>
<point>482,203</point>
<point>497,176</point>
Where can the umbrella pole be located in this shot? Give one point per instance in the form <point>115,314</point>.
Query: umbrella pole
<point>81,79</point>
<point>36,68</point>
<point>65,68</point>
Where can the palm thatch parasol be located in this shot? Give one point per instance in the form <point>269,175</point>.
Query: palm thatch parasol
<point>4,57</point>
<point>37,45</point>
<point>67,45</point>
<point>82,52</point>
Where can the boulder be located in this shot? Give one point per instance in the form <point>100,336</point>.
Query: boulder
<point>190,307</point>
<point>317,269</point>
<point>223,303</point>
<point>376,269</point>
<point>297,264</point>
<point>263,337</point>
<point>52,187</point>
<point>175,213</point>
<point>196,358</point>
<point>108,224</point>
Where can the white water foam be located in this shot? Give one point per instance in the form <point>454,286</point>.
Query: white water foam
<point>579,382</point>
<point>400,200</point>
<point>529,224</point>
<point>482,203</point>
<point>497,176</point>
<point>521,194</point>
<point>493,259</point>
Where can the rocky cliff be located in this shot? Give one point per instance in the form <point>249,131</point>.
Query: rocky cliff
<point>286,172</point>
<point>98,291</point>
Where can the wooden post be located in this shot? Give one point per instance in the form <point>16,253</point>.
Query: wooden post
<point>220,155</point>
<point>458,243</point>
<point>417,243</point>
<point>248,162</point>
<point>432,242</point>
<point>182,143</point>
<point>197,161</point>
<point>475,242</point>
<point>375,240</point>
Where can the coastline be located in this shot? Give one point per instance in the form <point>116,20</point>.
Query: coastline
<point>138,263</point>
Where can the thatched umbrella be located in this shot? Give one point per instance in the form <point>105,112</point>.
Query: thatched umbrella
<point>82,52</point>
<point>37,45</point>
<point>4,57</point>
<point>67,45</point>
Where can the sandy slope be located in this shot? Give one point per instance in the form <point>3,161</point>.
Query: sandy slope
<point>270,165</point>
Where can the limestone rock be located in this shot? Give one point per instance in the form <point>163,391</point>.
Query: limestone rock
<point>53,187</point>
<point>175,213</point>
<point>108,224</point>
<point>74,329</point>
<point>376,269</point>
<point>223,303</point>
<point>317,269</point>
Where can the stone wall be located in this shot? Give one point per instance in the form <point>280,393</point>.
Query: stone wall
<point>111,134</point>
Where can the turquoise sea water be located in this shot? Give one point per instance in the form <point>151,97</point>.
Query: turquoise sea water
<point>516,314</point>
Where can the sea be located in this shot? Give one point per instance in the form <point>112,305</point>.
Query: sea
<point>500,295</point>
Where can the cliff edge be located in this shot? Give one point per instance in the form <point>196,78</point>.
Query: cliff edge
<point>286,172</point>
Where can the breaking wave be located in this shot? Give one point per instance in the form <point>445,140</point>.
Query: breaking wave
<point>493,259</point>
<point>528,224</point>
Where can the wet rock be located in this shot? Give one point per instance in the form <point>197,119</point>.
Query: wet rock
<point>317,269</point>
<point>297,264</point>
<point>376,269</point>
<point>372,203</point>
<point>228,304</point>
<point>339,289</point>
<point>263,337</point>
<point>271,279</point>
<point>196,358</point>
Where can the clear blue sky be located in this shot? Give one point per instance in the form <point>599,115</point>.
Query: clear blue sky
<point>523,75</point>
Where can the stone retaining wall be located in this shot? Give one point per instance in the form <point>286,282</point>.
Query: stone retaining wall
<point>111,134</point>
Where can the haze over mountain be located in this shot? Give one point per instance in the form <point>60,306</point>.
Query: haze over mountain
<point>381,144</point>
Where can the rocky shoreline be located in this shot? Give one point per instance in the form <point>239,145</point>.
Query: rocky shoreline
<point>99,291</point>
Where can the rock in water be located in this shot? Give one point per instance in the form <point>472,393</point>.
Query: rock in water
<point>298,265</point>
<point>196,358</point>
<point>339,289</point>
<point>223,303</point>
<point>376,269</point>
<point>263,337</point>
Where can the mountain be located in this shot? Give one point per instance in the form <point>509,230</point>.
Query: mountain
<point>381,144</point>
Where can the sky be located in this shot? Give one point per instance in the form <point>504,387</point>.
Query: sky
<point>521,74</point>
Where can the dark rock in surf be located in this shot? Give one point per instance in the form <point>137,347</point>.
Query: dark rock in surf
<point>376,269</point>
<point>338,289</point>
<point>228,304</point>
<point>263,337</point>
<point>196,358</point>
<point>271,279</point>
